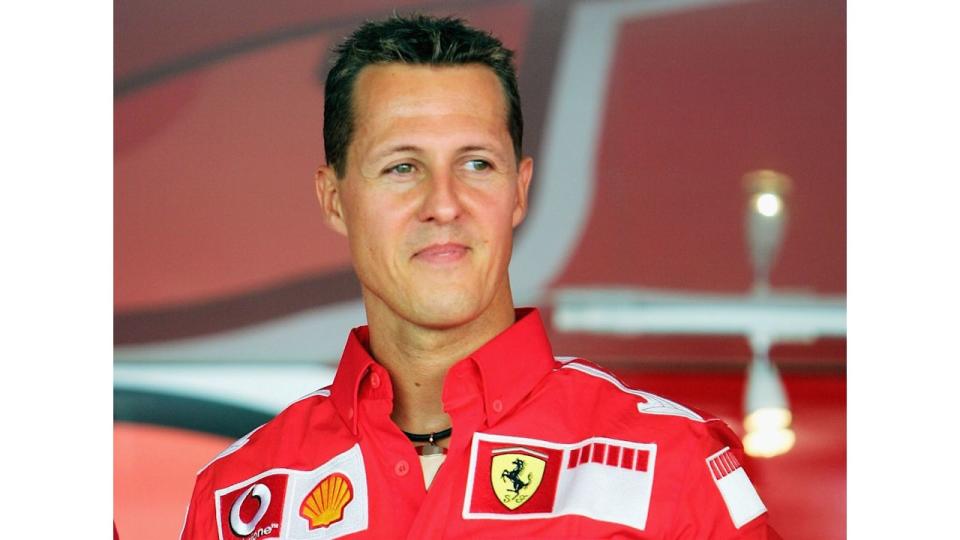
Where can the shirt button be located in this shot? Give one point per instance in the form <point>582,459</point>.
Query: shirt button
<point>350,413</point>
<point>401,468</point>
<point>375,380</point>
<point>497,406</point>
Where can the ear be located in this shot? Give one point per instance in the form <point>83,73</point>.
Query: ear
<point>328,193</point>
<point>524,175</point>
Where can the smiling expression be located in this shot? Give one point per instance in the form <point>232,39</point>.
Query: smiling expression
<point>431,193</point>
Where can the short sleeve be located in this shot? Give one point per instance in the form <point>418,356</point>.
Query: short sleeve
<point>718,500</point>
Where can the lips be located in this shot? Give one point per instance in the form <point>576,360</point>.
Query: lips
<point>441,253</point>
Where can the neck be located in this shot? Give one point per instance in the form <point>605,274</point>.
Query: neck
<point>418,357</point>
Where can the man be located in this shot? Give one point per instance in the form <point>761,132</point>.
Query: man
<point>449,416</point>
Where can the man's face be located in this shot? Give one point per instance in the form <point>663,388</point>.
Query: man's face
<point>432,192</point>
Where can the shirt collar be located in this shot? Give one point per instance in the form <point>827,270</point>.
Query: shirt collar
<point>512,363</point>
<point>354,365</point>
<point>509,365</point>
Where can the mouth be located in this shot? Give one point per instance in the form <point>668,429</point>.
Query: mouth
<point>442,253</point>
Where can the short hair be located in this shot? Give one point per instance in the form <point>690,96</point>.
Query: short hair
<point>416,39</point>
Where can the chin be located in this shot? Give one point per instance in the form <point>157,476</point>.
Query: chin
<point>440,311</point>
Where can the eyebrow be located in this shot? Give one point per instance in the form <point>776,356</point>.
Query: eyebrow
<point>417,149</point>
<point>475,148</point>
<point>395,149</point>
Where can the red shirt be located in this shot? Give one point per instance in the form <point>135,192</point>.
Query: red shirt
<point>541,448</point>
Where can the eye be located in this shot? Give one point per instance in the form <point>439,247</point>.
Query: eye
<point>478,165</point>
<point>402,169</point>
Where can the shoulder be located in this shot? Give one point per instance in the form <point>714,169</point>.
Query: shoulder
<point>269,445</point>
<point>304,434</point>
<point>603,392</point>
<point>606,383</point>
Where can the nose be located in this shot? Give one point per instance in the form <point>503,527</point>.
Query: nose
<point>441,202</point>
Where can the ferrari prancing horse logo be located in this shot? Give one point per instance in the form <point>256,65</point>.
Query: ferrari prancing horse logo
<point>516,474</point>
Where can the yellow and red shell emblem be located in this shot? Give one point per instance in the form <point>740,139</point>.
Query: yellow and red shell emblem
<point>324,505</point>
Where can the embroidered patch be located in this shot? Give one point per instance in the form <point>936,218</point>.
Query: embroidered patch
<point>253,509</point>
<point>513,478</point>
<point>327,502</point>
<point>516,473</point>
<point>738,493</point>
<point>520,478</point>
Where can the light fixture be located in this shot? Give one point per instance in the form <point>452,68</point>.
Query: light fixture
<point>766,217</point>
<point>767,414</point>
<point>768,417</point>
<point>768,204</point>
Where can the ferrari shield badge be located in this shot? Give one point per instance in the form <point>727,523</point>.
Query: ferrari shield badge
<point>516,474</point>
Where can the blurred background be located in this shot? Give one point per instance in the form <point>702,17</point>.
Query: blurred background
<point>687,226</point>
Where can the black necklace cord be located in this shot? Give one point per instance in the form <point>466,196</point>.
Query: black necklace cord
<point>429,437</point>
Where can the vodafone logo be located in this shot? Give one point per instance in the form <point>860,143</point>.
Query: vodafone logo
<point>253,509</point>
<point>238,525</point>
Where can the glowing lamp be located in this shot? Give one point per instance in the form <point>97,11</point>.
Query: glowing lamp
<point>766,217</point>
<point>768,415</point>
<point>768,443</point>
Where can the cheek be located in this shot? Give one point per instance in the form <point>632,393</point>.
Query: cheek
<point>375,229</point>
<point>497,216</point>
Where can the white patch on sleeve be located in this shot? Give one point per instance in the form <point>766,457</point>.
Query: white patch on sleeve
<point>738,493</point>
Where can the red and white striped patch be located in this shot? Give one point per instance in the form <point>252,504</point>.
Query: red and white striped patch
<point>632,459</point>
<point>738,493</point>
<point>723,464</point>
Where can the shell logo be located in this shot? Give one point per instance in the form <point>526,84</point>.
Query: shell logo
<point>324,505</point>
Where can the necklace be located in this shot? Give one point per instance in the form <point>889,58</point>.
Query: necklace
<point>430,438</point>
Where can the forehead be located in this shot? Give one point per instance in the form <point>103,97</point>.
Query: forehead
<point>389,94</point>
